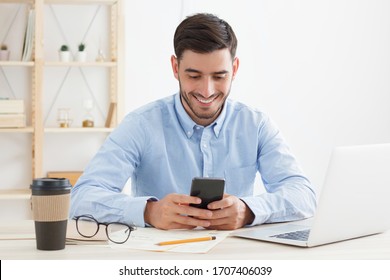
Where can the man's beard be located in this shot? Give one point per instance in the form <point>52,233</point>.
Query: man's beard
<point>202,114</point>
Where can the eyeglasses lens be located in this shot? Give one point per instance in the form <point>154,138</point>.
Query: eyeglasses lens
<point>118,233</point>
<point>87,226</point>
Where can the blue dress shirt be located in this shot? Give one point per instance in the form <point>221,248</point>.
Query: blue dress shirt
<point>161,149</point>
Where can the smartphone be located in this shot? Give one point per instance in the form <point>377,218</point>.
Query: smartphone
<point>207,189</point>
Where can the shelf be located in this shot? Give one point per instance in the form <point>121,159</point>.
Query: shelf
<point>73,2</point>
<point>17,1</point>
<point>58,129</point>
<point>80,64</point>
<point>28,129</point>
<point>15,194</point>
<point>17,63</point>
<point>78,129</point>
<point>35,84</point>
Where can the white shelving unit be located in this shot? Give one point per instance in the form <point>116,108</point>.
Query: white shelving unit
<point>37,130</point>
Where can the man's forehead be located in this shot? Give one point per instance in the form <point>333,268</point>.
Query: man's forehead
<point>218,61</point>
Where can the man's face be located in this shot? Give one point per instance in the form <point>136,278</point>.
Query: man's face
<point>205,81</point>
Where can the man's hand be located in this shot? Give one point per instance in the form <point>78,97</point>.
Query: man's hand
<point>229,213</point>
<point>174,212</point>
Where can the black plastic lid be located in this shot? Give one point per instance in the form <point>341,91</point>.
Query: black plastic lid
<point>52,183</point>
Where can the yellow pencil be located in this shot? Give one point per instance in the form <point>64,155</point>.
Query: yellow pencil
<point>199,239</point>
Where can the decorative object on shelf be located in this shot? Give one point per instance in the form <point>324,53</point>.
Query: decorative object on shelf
<point>11,106</point>
<point>81,54</point>
<point>64,119</point>
<point>4,53</point>
<point>100,57</point>
<point>72,176</point>
<point>12,113</point>
<point>88,120</point>
<point>28,43</point>
<point>64,53</point>
<point>110,114</point>
<point>12,120</point>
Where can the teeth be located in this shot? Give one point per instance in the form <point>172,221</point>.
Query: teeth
<point>206,101</point>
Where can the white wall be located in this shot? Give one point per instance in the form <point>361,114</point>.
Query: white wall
<point>320,69</point>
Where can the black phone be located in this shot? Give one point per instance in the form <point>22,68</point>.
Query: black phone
<point>208,189</point>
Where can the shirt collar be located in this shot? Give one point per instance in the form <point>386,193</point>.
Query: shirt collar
<point>188,125</point>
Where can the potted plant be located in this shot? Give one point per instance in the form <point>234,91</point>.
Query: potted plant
<point>64,53</point>
<point>4,52</point>
<point>81,54</point>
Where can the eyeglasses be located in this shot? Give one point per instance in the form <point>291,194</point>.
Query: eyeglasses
<point>87,226</point>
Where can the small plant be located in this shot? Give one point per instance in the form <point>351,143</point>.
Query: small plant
<point>4,52</point>
<point>81,47</point>
<point>64,53</point>
<point>64,48</point>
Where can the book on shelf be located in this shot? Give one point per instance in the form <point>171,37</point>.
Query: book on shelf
<point>29,36</point>
<point>72,176</point>
<point>110,114</point>
<point>12,120</point>
<point>11,106</point>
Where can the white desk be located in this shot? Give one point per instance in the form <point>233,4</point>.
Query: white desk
<point>232,248</point>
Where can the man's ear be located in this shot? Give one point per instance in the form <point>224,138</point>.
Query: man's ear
<point>175,66</point>
<point>236,64</point>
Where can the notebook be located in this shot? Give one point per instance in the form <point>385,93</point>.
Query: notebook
<point>354,201</point>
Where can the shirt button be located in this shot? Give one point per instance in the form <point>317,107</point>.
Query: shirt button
<point>204,146</point>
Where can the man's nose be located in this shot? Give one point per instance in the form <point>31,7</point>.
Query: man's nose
<point>207,88</point>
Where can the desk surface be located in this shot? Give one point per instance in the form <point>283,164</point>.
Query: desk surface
<point>232,248</point>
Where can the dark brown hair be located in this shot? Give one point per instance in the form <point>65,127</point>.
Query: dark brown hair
<point>204,33</point>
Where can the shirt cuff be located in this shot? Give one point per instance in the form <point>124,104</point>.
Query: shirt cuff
<point>253,203</point>
<point>135,210</point>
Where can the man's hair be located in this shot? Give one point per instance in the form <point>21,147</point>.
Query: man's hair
<point>204,33</point>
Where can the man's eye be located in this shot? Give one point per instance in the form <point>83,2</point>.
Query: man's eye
<point>194,77</point>
<point>219,77</point>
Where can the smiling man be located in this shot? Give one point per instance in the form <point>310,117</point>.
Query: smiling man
<point>198,132</point>
<point>205,81</point>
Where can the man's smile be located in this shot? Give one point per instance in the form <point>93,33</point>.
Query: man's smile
<point>205,101</point>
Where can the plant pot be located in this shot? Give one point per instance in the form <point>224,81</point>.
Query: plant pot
<point>81,56</point>
<point>4,55</point>
<point>64,56</point>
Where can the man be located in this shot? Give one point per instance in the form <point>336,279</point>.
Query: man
<point>198,132</point>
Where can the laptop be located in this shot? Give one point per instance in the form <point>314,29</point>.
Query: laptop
<point>354,201</point>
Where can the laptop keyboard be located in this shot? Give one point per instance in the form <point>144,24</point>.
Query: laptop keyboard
<point>301,235</point>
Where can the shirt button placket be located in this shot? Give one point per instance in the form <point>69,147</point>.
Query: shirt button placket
<point>206,151</point>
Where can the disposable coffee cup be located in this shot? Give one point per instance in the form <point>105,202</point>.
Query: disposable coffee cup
<point>50,200</point>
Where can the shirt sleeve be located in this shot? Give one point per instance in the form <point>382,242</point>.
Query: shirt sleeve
<point>98,192</point>
<point>289,194</point>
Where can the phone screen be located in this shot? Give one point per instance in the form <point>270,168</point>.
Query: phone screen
<point>207,189</point>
